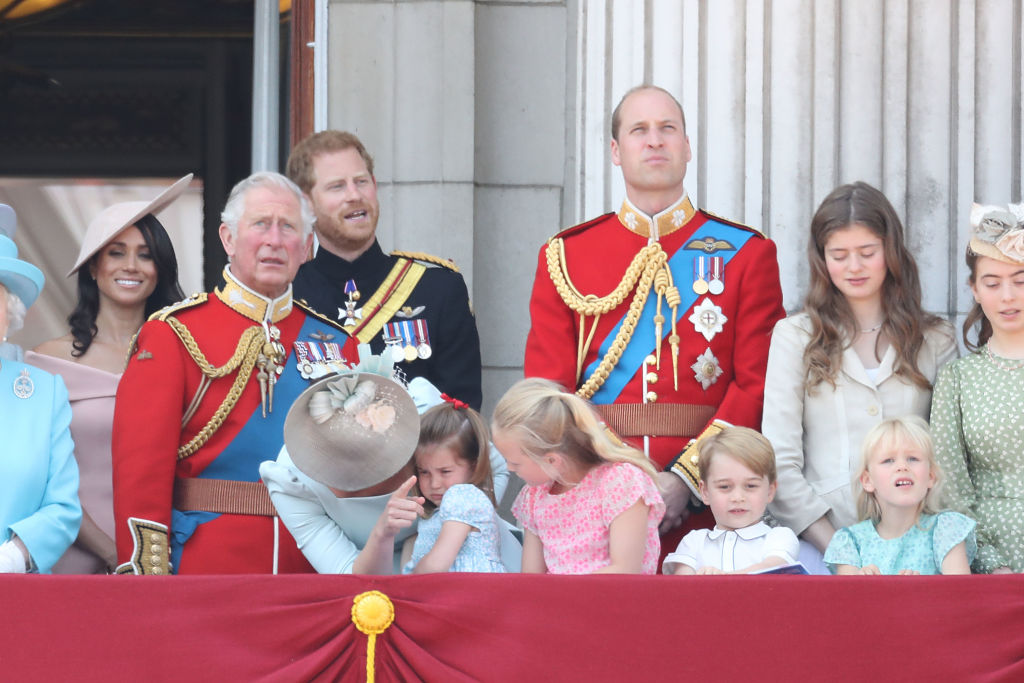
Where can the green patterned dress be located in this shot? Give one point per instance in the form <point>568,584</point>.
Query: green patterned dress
<point>977,422</point>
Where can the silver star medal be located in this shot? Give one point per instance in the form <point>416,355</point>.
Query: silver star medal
<point>707,318</point>
<point>706,370</point>
<point>23,386</point>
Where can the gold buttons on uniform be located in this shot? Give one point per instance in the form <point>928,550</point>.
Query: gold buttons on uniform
<point>651,396</point>
<point>652,377</point>
<point>650,360</point>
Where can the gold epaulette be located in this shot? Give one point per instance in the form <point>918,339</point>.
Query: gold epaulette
<point>161,315</point>
<point>429,258</point>
<point>187,302</point>
<point>733,223</point>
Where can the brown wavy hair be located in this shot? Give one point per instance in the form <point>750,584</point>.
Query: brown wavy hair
<point>300,162</point>
<point>975,316</point>
<point>833,325</point>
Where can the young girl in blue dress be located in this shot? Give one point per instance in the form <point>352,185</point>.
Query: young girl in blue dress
<point>898,492</point>
<point>453,472</point>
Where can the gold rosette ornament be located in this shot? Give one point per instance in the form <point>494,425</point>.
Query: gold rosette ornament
<point>372,613</point>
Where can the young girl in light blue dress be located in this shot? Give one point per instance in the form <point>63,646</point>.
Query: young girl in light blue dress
<point>461,532</point>
<point>898,491</point>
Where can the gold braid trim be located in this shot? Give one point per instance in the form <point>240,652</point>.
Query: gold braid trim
<point>638,278</point>
<point>243,359</point>
<point>429,258</point>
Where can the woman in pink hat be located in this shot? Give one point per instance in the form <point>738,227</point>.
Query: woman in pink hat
<point>126,270</point>
<point>978,407</point>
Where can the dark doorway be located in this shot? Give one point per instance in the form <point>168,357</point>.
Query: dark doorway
<point>108,88</point>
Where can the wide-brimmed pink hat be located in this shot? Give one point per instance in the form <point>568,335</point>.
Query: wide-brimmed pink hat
<point>109,223</point>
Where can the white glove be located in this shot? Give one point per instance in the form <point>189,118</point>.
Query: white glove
<point>12,561</point>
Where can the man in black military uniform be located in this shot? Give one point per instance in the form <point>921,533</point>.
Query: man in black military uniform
<point>412,306</point>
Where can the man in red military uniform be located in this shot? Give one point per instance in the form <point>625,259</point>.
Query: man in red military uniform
<point>660,314</point>
<point>204,397</point>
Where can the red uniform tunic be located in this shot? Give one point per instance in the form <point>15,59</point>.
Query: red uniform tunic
<point>596,257</point>
<point>161,381</point>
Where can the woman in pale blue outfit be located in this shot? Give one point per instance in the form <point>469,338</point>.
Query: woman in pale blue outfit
<point>348,508</point>
<point>902,528</point>
<point>39,509</point>
<point>453,475</point>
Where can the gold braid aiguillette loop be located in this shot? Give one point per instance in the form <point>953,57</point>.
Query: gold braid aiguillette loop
<point>590,304</point>
<point>243,359</point>
<point>644,266</point>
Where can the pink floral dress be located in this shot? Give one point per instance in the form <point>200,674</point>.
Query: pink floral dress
<point>573,525</point>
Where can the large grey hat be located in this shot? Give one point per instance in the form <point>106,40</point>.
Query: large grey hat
<point>352,431</point>
<point>109,222</point>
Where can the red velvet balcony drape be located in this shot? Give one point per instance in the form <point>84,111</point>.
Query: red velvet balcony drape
<point>514,628</point>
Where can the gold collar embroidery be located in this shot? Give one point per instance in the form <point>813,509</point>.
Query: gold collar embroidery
<point>663,223</point>
<point>252,305</point>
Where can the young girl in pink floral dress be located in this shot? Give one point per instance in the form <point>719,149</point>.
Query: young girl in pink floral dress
<point>590,504</point>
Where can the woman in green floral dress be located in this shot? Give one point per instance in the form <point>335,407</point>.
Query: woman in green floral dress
<point>978,405</point>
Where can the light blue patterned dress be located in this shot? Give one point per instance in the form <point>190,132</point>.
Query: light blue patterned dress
<point>922,548</point>
<point>481,551</point>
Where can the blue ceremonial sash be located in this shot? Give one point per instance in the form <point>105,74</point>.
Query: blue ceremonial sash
<point>260,439</point>
<point>640,344</point>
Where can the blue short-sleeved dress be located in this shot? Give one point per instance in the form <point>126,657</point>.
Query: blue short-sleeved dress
<point>922,548</point>
<point>481,551</point>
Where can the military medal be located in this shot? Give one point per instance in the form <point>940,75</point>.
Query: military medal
<point>717,283</point>
<point>706,370</point>
<point>700,285</point>
<point>408,337</point>
<point>423,349</point>
<point>393,342</point>
<point>707,318</point>
<point>351,314</point>
<point>305,367</point>
<point>23,386</point>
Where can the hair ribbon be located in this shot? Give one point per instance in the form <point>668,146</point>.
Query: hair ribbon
<point>456,403</point>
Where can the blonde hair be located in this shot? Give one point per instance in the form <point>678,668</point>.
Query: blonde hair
<point>543,419</point>
<point>463,431</point>
<point>744,444</point>
<point>886,435</point>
